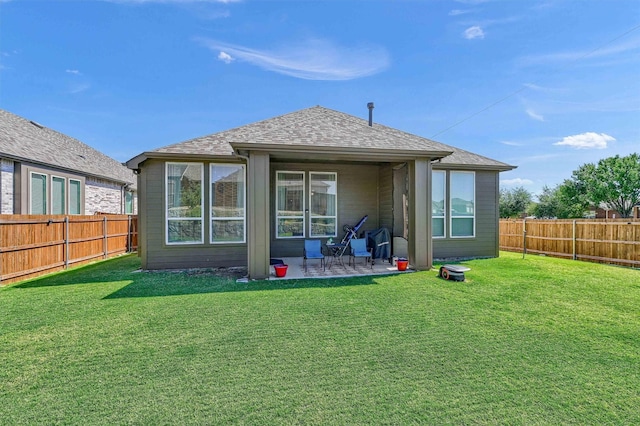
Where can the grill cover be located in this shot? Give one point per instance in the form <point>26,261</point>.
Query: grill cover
<point>380,243</point>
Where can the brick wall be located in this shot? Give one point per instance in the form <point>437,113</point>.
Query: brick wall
<point>6,186</point>
<point>102,196</point>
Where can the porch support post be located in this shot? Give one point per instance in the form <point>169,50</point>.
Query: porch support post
<point>258,228</point>
<point>420,233</point>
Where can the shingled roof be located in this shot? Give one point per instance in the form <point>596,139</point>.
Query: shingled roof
<point>320,129</point>
<point>24,140</point>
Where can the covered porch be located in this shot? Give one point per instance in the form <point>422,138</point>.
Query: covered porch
<point>394,191</point>
<point>296,270</point>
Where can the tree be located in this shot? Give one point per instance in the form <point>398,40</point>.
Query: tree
<point>614,181</point>
<point>572,200</point>
<point>564,201</point>
<point>548,205</point>
<point>514,202</point>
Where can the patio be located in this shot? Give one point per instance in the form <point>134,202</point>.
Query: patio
<point>335,269</point>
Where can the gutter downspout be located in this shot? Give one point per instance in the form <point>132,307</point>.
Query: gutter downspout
<point>122,198</point>
<point>244,157</point>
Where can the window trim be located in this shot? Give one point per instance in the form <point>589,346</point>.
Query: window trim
<point>451,215</point>
<point>304,216</point>
<point>312,216</point>
<point>166,205</point>
<point>444,207</point>
<point>244,205</point>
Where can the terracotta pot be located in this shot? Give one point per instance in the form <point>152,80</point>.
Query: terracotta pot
<point>281,270</point>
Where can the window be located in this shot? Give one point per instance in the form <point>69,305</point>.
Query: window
<point>74,196</point>
<point>38,190</point>
<point>184,203</point>
<point>289,204</point>
<point>438,204</point>
<point>323,204</point>
<point>128,202</point>
<point>58,199</point>
<point>462,202</point>
<point>50,194</point>
<point>228,218</point>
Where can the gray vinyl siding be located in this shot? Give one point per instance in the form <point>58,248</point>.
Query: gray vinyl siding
<point>357,196</point>
<point>485,243</point>
<point>156,254</point>
<point>385,183</point>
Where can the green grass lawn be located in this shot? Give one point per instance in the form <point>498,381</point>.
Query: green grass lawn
<point>533,341</point>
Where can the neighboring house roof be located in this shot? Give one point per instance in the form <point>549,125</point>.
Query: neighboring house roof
<point>320,130</point>
<point>28,141</point>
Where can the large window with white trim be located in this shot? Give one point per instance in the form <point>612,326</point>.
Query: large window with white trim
<point>462,204</point>
<point>228,200</point>
<point>290,194</point>
<point>185,203</point>
<point>323,193</point>
<point>438,203</point>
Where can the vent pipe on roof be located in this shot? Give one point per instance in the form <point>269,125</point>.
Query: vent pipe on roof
<point>370,106</point>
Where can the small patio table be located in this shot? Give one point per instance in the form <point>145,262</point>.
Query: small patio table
<point>335,252</point>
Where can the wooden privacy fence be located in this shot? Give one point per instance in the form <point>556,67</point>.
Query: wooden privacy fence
<point>615,241</point>
<point>33,245</point>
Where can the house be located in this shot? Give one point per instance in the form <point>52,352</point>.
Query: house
<point>46,172</point>
<point>245,195</point>
<point>603,211</point>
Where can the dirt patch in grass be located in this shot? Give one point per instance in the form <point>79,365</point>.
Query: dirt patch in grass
<point>234,272</point>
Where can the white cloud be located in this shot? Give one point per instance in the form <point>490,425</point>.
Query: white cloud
<point>516,182</point>
<point>588,140</point>
<point>544,89</point>
<point>510,143</point>
<point>531,113</point>
<point>79,88</point>
<point>74,72</point>
<point>458,12</point>
<point>310,60</point>
<point>618,49</point>
<point>473,32</point>
<point>225,57</point>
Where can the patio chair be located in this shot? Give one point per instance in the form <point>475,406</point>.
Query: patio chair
<point>313,250</point>
<point>359,249</point>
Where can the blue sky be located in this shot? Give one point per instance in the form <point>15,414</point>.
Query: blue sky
<point>544,85</point>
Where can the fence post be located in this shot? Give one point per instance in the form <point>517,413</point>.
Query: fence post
<point>129,234</point>
<point>0,260</point>
<point>105,242</point>
<point>524,237</point>
<point>66,242</point>
<point>574,240</point>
